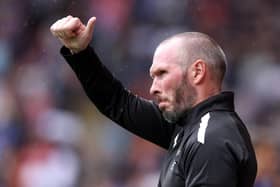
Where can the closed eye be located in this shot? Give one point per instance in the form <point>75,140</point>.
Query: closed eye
<point>161,73</point>
<point>158,73</point>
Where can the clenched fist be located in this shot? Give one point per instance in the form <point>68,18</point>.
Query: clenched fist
<point>72,33</point>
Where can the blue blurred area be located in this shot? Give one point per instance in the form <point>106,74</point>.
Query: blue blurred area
<point>52,136</point>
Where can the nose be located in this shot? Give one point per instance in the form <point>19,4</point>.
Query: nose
<point>154,90</point>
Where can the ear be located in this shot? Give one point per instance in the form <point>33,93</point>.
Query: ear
<point>198,71</point>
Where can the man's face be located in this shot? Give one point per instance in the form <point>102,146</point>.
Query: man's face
<point>171,88</point>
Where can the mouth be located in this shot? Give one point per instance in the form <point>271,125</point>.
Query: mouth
<point>162,104</point>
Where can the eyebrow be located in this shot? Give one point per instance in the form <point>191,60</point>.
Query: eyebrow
<point>151,73</point>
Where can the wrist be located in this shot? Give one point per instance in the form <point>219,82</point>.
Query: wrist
<point>74,51</point>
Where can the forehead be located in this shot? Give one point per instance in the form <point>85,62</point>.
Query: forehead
<point>165,56</point>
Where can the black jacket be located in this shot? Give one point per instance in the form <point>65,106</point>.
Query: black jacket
<point>208,147</point>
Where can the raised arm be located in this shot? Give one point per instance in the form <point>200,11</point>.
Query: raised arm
<point>135,114</point>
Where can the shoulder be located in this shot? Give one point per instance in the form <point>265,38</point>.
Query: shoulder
<point>216,144</point>
<point>226,127</point>
<point>219,132</point>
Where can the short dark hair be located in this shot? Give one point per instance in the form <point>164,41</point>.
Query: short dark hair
<point>196,45</point>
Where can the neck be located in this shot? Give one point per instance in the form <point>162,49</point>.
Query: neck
<point>203,94</point>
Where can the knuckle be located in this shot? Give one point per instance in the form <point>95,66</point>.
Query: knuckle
<point>76,20</point>
<point>53,28</point>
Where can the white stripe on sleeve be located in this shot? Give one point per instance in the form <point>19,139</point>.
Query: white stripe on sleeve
<point>202,128</point>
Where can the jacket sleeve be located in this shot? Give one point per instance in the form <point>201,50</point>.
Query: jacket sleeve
<point>139,116</point>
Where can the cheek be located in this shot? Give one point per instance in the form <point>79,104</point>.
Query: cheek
<point>168,85</point>
<point>171,86</point>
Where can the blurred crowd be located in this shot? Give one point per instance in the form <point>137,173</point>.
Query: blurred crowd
<point>50,133</point>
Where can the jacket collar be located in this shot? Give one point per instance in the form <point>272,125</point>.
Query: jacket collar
<point>223,102</point>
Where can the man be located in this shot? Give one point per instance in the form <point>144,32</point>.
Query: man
<point>208,145</point>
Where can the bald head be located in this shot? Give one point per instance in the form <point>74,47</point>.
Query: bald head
<point>193,46</point>
<point>187,69</point>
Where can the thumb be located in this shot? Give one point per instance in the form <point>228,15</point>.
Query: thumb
<point>90,25</point>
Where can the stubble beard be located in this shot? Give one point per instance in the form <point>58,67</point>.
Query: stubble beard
<point>185,96</point>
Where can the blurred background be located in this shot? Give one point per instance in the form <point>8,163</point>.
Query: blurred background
<point>50,133</point>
